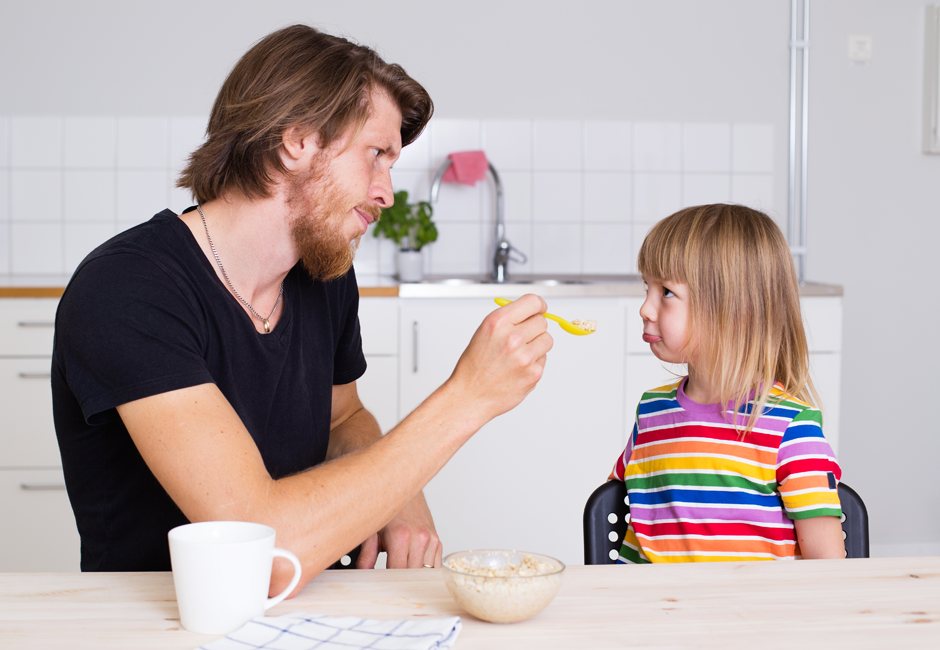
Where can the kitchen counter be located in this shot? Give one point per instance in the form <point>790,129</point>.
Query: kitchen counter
<point>451,286</point>
<point>870,603</point>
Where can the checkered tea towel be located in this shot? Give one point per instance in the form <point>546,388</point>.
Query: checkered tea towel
<point>306,631</point>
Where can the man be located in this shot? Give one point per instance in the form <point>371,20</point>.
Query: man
<point>205,364</point>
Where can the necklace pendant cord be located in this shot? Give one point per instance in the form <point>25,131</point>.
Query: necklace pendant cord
<point>215,253</point>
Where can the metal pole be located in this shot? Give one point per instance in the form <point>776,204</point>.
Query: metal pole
<point>805,148</point>
<point>791,197</point>
<point>796,229</point>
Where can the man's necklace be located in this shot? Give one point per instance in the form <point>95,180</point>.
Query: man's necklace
<point>267,324</point>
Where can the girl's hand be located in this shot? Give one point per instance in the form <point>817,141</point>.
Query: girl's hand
<point>820,538</point>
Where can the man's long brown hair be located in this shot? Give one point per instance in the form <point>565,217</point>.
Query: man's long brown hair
<point>744,300</point>
<point>295,77</point>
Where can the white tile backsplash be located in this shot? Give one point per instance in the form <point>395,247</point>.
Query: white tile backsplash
<point>36,195</point>
<point>517,198</point>
<point>180,199</point>
<point>4,141</point>
<point>556,248</point>
<point>520,237</point>
<point>639,234</point>
<point>36,248</point>
<point>451,136</point>
<point>657,147</point>
<point>752,148</point>
<point>557,145</point>
<point>608,197</point>
<point>82,238</point>
<point>608,146</point>
<point>36,142</point>
<point>142,142</point>
<point>416,155</point>
<point>508,144</point>
<point>579,195</point>
<point>699,189</point>
<point>90,142</point>
<point>417,182</point>
<point>656,196</point>
<point>607,248</point>
<point>556,196</point>
<point>140,195</point>
<point>186,134</point>
<point>458,202</point>
<point>706,147</point>
<point>4,195</point>
<point>89,195</point>
<point>753,190</point>
<point>367,255</point>
<point>4,248</point>
<point>457,249</point>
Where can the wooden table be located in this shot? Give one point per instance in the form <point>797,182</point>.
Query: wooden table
<point>877,603</point>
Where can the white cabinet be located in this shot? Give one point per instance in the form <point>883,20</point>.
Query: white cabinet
<point>378,387</point>
<point>38,532</point>
<point>522,481</point>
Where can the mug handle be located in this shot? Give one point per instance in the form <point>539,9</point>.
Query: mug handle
<point>280,552</point>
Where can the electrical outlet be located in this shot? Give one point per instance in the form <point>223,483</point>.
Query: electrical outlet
<point>860,47</point>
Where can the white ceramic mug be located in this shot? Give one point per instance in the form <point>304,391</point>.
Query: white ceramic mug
<point>222,572</point>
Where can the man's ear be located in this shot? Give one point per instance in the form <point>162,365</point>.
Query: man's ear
<point>298,147</point>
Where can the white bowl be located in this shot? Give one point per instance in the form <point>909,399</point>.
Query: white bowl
<point>502,586</point>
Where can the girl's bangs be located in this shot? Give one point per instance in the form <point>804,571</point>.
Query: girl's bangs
<point>662,255</point>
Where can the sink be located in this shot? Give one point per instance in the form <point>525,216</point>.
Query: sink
<point>525,278</point>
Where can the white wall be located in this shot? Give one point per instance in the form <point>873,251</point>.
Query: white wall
<point>874,211</point>
<point>874,199</point>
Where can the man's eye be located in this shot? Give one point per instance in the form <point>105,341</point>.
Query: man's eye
<point>376,152</point>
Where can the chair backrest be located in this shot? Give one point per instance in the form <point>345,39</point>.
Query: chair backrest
<point>854,522</point>
<point>350,560</point>
<point>605,521</point>
<point>607,512</point>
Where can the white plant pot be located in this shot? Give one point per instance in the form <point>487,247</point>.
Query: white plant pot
<point>410,266</point>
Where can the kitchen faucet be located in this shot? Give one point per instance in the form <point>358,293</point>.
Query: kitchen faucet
<point>502,248</point>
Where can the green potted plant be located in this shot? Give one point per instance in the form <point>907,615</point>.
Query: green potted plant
<point>410,226</point>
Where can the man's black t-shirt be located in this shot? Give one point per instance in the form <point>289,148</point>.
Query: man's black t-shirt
<point>144,314</point>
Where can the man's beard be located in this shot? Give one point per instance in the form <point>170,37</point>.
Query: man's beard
<point>319,210</point>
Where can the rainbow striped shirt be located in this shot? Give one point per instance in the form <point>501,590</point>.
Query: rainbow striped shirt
<point>699,493</point>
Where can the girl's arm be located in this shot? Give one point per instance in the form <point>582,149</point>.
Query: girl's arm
<point>820,538</point>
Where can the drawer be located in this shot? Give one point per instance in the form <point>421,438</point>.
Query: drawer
<point>26,326</point>
<point>27,434</point>
<point>38,531</point>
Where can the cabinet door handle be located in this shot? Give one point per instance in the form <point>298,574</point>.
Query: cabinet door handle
<point>37,487</point>
<point>414,347</point>
<point>35,375</point>
<point>36,323</point>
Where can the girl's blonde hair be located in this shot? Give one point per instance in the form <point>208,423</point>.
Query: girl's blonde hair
<point>744,300</point>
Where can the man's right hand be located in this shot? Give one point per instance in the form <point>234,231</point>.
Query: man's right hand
<point>505,358</point>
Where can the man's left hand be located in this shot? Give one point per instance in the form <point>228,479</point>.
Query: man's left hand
<point>409,539</point>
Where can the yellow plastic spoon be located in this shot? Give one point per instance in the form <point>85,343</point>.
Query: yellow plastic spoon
<point>565,325</point>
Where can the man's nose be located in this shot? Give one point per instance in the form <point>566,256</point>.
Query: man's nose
<point>382,192</point>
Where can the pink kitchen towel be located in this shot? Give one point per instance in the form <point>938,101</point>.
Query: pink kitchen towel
<point>467,167</point>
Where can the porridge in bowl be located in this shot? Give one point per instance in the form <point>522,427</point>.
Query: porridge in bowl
<point>502,586</point>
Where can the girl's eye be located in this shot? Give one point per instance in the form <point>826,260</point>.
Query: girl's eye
<point>667,292</point>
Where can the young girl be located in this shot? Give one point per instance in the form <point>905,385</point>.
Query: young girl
<point>730,462</point>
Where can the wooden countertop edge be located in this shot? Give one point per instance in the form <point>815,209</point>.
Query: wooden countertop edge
<point>31,292</point>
